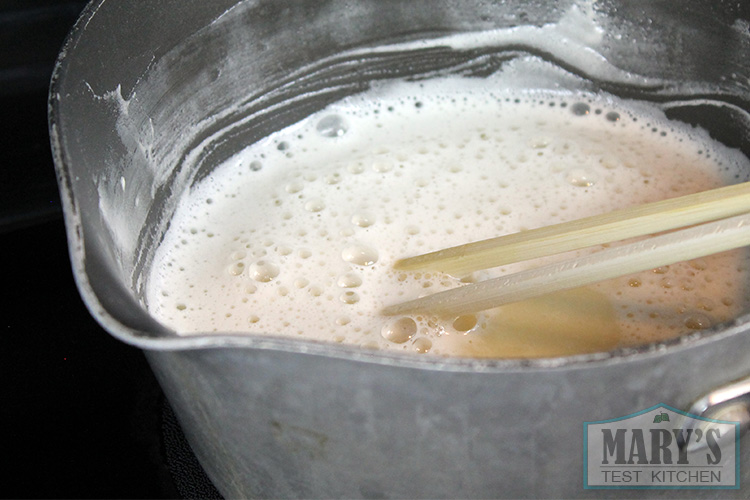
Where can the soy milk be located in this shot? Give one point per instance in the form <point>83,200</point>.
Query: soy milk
<point>296,235</point>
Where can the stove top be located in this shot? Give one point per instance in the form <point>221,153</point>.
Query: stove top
<point>85,417</point>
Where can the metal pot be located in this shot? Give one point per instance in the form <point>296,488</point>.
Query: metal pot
<point>147,98</point>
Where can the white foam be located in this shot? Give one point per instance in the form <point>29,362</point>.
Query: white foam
<point>296,235</point>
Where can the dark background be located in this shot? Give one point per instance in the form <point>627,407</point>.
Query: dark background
<point>83,415</point>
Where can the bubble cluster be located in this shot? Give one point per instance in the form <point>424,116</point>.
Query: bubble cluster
<point>297,235</point>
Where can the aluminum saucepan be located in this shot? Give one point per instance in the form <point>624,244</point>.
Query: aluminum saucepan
<point>148,97</point>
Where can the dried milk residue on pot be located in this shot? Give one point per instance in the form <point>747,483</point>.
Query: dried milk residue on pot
<point>296,235</point>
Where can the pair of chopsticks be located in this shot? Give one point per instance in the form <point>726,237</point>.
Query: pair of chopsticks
<point>728,208</point>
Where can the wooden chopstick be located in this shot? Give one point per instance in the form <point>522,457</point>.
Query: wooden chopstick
<point>677,246</point>
<point>614,226</point>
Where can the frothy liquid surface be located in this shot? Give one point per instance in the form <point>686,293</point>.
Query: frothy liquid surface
<point>296,236</point>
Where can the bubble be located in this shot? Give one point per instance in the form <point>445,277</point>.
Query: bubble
<point>315,205</point>
<point>422,345</point>
<point>539,142</point>
<point>255,166</point>
<point>283,146</point>
<point>332,126</point>
<point>382,166</point>
<point>609,162</point>
<point>581,178</point>
<point>612,116</point>
<point>698,264</point>
<point>181,307</point>
<point>343,321</point>
<point>363,220</point>
<point>360,255</point>
<point>294,187</point>
<point>253,318</point>
<point>697,322</point>
<point>355,168</point>
<point>400,330</point>
<point>465,323</point>
<point>705,304</point>
<point>236,268</point>
<point>580,109</point>
<point>263,271</point>
<point>333,178</point>
<point>349,280</point>
<point>349,297</point>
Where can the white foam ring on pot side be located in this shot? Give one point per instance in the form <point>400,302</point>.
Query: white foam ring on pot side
<point>573,39</point>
